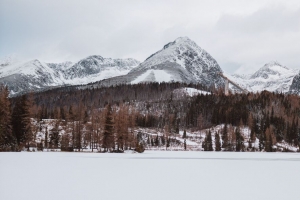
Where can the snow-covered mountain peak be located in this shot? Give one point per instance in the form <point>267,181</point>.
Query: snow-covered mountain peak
<point>36,75</point>
<point>272,76</point>
<point>182,58</point>
<point>180,41</point>
<point>183,39</point>
<point>273,64</point>
<point>29,68</point>
<point>272,70</point>
<point>184,52</point>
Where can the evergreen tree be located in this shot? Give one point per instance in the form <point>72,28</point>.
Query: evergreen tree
<point>156,141</point>
<point>108,137</point>
<point>225,137</point>
<point>261,144</point>
<point>184,137</point>
<point>207,145</point>
<point>54,136</point>
<point>217,142</point>
<point>184,134</point>
<point>239,140</point>
<point>7,140</point>
<point>269,143</point>
<point>168,142</point>
<point>21,122</point>
<point>46,138</point>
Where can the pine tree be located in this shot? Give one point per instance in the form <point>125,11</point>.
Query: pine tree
<point>46,138</point>
<point>269,140</point>
<point>54,136</point>
<point>184,134</point>
<point>108,137</point>
<point>239,140</point>
<point>209,140</point>
<point>207,144</point>
<point>261,144</point>
<point>21,122</point>
<point>7,140</point>
<point>184,137</point>
<point>225,137</point>
<point>217,142</point>
<point>156,141</point>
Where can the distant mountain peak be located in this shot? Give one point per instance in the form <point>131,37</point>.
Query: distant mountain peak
<point>182,39</point>
<point>35,74</point>
<point>272,76</point>
<point>272,68</point>
<point>272,64</point>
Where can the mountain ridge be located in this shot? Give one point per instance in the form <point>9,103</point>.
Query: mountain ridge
<point>272,77</point>
<point>35,75</point>
<point>181,60</point>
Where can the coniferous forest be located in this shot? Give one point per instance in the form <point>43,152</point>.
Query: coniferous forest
<point>147,116</point>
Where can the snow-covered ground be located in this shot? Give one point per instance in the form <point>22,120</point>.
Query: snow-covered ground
<point>166,175</point>
<point>190,91</point>
<point>153,76</point>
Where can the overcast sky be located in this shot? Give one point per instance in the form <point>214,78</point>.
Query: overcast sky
<point>241,35</point>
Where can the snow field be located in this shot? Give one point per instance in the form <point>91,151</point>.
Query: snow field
<point>153,76</point>
<point>151,175</point>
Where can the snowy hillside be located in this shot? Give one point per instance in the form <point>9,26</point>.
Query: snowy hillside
<point>183,54</point>
<point>272,77</point>
<point>179,61</point>
<point>187,91</point>
<point>29,76</point>
<point>36,75</point>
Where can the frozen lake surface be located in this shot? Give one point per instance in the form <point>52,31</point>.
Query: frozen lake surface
<point>151,175</point>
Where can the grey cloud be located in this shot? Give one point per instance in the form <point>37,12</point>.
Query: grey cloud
<point>238,34</point>
<point>275,19</point>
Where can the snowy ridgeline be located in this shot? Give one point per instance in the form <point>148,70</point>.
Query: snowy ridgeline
<point>151,138</point>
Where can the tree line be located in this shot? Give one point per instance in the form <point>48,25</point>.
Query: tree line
<point>107,118</point>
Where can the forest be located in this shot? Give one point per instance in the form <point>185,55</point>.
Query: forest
<point>114,119</point>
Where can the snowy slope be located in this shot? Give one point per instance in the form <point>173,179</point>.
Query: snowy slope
<point>29,76</point>
<point>36,75</point>
<point>96,68</point>
<point>179,61</point>
<point>186,55</point>
<point>187,91</point>
<point>272,77</point>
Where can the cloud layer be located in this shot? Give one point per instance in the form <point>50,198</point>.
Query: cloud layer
<point>241,35</point>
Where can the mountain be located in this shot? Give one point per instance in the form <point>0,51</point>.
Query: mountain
<point>181,60</point>
<point>95,68</point>
<point>272,77</point>
<point>29,76</point>
<point>35,75</point>
<point>295,86</point>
